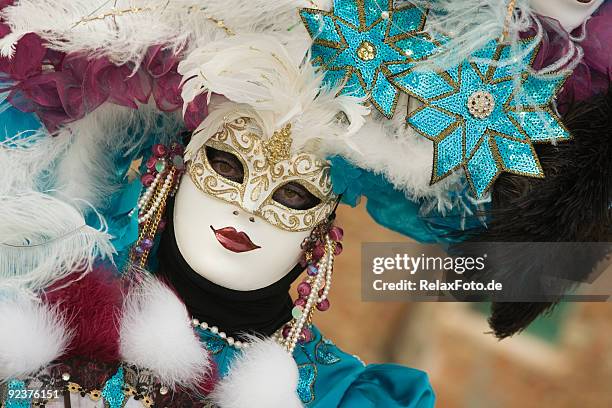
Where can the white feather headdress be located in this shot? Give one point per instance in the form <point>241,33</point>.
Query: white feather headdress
<point>257,72</point>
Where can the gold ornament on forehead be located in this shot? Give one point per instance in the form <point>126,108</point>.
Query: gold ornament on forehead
<point>278,148</point>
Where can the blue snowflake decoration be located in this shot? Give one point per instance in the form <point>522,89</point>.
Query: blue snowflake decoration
<point>477,119</point>
<point>363,43</point>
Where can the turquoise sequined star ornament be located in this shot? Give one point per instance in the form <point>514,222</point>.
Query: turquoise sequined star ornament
<point>480,120</point>
<point>363,43</point>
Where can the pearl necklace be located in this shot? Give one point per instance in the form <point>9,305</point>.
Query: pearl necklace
<point>319,291</point>
<point>304,315</point>
<point>237,344</point>
<point>146,198</point>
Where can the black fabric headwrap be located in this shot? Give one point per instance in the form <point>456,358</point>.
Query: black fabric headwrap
<point>261,311</point>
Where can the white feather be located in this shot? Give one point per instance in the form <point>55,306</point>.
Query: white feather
<point>391,148</point>
<point>126,37</point>
<point>33,335</point>
<point>263,15</point>
<point>99,141</point>
<point>263,376</point>
<point>156,334</point>
<point>42,237</point>
<point>30,156</point>
<point>257,72</point>
<point>269,17</point>
<point>472,24</point>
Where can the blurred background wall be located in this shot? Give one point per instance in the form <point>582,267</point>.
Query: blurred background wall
<point>562,361</point>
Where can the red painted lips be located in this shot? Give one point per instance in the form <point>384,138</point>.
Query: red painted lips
<point>235,241</point>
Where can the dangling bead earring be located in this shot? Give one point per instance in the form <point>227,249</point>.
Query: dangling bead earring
<point>164,170</point>
<point>313,292</point>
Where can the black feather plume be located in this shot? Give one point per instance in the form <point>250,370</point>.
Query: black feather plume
<point>572,204</point>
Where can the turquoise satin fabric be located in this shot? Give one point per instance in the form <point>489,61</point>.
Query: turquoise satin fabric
<point>330,377</point>
<point>391,208</point>
<point>122,227</point>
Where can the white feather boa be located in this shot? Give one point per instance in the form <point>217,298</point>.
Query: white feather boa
<point>263,376</point>
<point>392,149</point>
<point>33,335</point>
<point>55,181</point>
<point>125,38</point>
<point>156,334</point>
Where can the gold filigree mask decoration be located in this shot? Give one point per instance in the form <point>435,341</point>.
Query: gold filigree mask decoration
<point>239,166</point>
<point>278,148</point>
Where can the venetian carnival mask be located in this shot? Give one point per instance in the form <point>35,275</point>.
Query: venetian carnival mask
<point>570,13</point>
<point>247,203</point>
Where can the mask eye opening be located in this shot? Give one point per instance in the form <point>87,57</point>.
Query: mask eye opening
<point>295,196</point>
<point>225,164</point>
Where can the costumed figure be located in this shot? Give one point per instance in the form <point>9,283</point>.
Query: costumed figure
<point>171,168</point>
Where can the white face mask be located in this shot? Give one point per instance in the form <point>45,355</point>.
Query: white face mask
<point>196,212</point>
<point>570,13</point>
<point>241,212</point>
